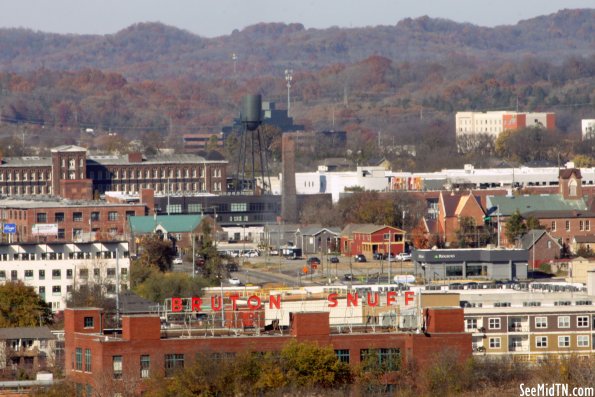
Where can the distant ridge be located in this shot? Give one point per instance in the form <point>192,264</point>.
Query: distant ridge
<point>153,50</point>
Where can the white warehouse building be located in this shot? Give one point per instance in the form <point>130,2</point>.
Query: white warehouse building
<point>54,270</point>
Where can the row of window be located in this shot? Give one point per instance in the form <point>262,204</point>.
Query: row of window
<point>95,216</point>
<point>155,173</point>
<point>541,341</point>
<point>389,359</point>
<point>26,256</point>
<point>25,190</point>
<point>57,274</point>
<point>25,175</point>
<point>495,323</point>
<point>583,225</point>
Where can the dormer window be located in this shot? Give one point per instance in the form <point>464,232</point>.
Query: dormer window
<point>572,188</point>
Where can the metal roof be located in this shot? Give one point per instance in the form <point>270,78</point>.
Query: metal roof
<point>508,205</point>
<point>169,223</point>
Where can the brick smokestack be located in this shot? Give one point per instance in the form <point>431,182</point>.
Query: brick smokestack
<point>288,196</point>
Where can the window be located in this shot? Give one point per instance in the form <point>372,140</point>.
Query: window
<point>494,323</point>
<point>471,323</point>
<point>88,322</point>
<point>56,290</point>
<point>495,343</point>
<point>582,340</point>
<point>61,234</point>
<point>239,207</point>
<point>78,365</point>
<point>389,359</point>
<point>564,341</point>
<point>173,362</point>
<point>28,274</point>
<point>111,272</point>
<point>95,217</point>
<point>14,275</point>
<point>69,274</point>
<point>77,216</point>
<point>42,292</point>
<point>112,216</point>
<point>174,208</point>
<point>343,355</point>
<point>145,365</point>
<point>87,360</point>
<point>42,274</point>
<point>541,341</point>
<point>42,217</point>
<point>563,321</point>
<point>540,322</point>
<point>117,367</point>
<point>582,321</point>
<point>96,272</point>
<point>194,208</point>
<point>587,225</point>
<point>567,224</point>
<point>581,225</point>
<point>84,273</point>
<point>56,274</point>
<point>59,217</point>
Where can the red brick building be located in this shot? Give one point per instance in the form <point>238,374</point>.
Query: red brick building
<point>62,220</point>
<point>94,359</point>
<point>71,173</point>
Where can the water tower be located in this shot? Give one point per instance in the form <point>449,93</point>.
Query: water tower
<point>252,159</point>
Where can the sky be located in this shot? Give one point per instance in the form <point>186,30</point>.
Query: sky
<point>211,18</point>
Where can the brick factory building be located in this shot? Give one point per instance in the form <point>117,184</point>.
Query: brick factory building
<point>71,173</point>
<point>51,219</point>
<point>97,359</point>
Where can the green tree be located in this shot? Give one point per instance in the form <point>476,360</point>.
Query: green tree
<point>20,306</point>
<point>467,232</point>
<point>159,286</point>
<point>532,223</point>
<point>515,227</point>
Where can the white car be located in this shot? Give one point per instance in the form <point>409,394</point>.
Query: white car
<point>177,261</point>
<point>403,257</point>
<point>235,281</point>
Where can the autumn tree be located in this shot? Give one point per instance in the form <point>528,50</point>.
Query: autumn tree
<point>156,250</point>
<point>159,286</point>
<point>20,306</point>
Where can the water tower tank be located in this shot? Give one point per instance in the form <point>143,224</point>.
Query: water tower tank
<point>251,110</point>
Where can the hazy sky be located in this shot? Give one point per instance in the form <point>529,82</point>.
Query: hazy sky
<point>220,17</point>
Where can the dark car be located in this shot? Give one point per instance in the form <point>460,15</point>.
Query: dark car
<point>348,276</point>
<point>232,267</point>
<point>378,256</point>
<point>313,261</point>
<point>360,258</point>
<point>334,259</point>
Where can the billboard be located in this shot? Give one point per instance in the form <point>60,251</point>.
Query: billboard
<point>45,229</point>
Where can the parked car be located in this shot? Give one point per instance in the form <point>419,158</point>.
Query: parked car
<point>177,261</point>
<point>334,259</point>
<point>232,267</point>
<point>403,256</point>
<point>378,256</point>
<point>251,254</point>
<point>235,281</point>
<point>348,276</point>
<point>313,261</point>
<point>360,258</point>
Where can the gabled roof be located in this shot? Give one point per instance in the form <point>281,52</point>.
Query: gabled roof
<point>347,231</point>
<point>450,203</point>
<point>169,223</point>
<point>369,229</point>
<point>431,225</point>
<point>529,203</point>
<point>26,333</point>
<point>313,230</point>
<point>68,148</point>
<point>131,303</point>
<point>533,236</point>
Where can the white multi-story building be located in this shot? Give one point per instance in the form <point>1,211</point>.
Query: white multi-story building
<point>493,123</point>
<point>587,128</point>
<point>54,270</point>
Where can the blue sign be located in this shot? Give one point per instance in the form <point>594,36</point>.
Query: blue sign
<point>9,228</point>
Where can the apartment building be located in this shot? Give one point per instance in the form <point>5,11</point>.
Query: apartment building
<point>55,269</point>
<point>494,122</point>
<point>530,323</point>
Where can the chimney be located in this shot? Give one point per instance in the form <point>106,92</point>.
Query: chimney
<point>135,157</point>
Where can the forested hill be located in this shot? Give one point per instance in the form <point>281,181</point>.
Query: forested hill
<point>153,50</point>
